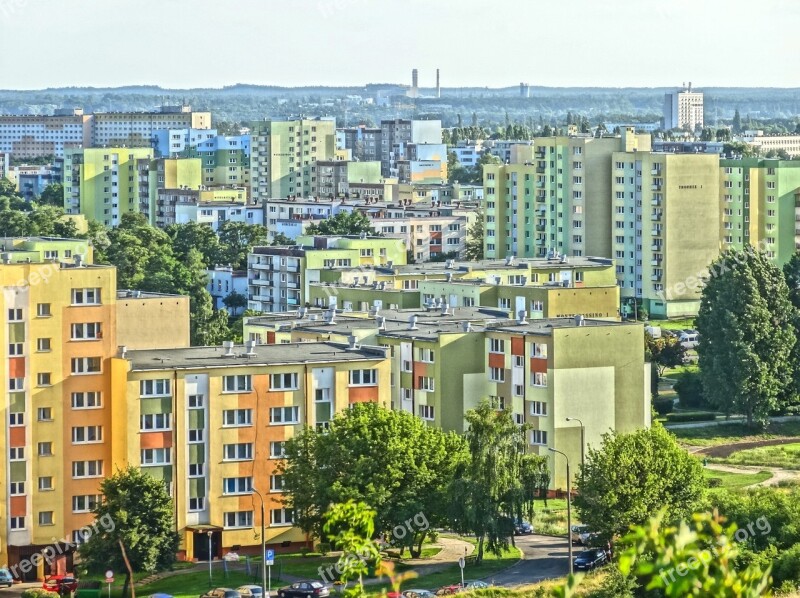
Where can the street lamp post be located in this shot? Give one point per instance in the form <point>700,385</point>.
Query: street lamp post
<point>210,580</point>
<point>263,548</point>
<point>569,510</point>
<point>583,441</point>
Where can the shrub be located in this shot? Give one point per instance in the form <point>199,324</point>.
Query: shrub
<point>690,417</point>
<point>433,536</point>
<point>714,482</point>
<point>690,391</point>
<point>38,593</point>
<point>305,551</point>
<point>787,566</point>
<point>663,406</point>
<point>324,548</point>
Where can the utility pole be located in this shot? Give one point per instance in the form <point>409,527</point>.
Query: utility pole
<point>569,511</point>
<point>263,548</point>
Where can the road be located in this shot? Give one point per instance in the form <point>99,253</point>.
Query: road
<point>543,557</point>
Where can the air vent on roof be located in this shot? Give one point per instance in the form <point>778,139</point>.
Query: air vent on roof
<point>412,323</point>
<point>228,346</point>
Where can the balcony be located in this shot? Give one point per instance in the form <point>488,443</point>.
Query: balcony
<point>540,242</point>
<point>655,262</point>
<point>540,227</point>
<point>655,278</point>
<point>540,170</point>
<point>656,216</point>
<point>656,172</point>
<point>656,232</point>
<point>655,187</point>
<point>655,202</point>
<point>540,184</point>
<point>655,247</point>
<point>261,282</point>
<point>265,267</point>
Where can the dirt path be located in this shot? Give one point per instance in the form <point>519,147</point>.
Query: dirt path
<point>778,475</point>
<point>726,450</point>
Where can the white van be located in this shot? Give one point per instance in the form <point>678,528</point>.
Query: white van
<point>689,340</point>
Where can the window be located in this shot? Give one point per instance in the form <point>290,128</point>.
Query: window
<point>363,377</point>
<point>15,349</point>
<point>45,449</point>
<point>243,485</point>
<point>45,517</point>
<point>426,355</point>
<point>538,408</point>
<point>237,417</point>
<point>518,361</point>
<point>43,310</point>
<point>498,403</point>
<point>44,414</point>
<point>497,345</point>
<point>46,483</point>
<point>85,365</point>
<point>86,434</point>
<point>288,381</point>
<point>86,400</point>
<point>539,437</point>
<point>276,483</point>
<point>156,456</point>
<point>155,421</point>
<point>237,452</point>
<point>154,388</point>
<point>86,331</point>
<point>87,469</point>
<point>234,519</point>
<point>284,415</point>
<point>497,375</point>
<point>195,401</point>
<point>197,503</point>
<point>196,436</point>
<point>240,383</point>
<point>43,379</point>
<point>538,379</point>
<point>426,412</point>
<point>16,488</point>
<point>16,419</point>
<point>86,296</point>
<point>196,470</point>
<point>16,384</point>
<point>426,383</point>
<point>15,315</point>
<point>43,345</point>
<point>519,390</point>
<point>16,522</point>
<point>277,450</point>
<point>539,350</point>
<point>281,517</point>
<point>85,503</point>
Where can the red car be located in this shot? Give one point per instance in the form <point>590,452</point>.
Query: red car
<point>60,584</point>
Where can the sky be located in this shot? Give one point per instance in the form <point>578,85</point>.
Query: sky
<point>493,43</point>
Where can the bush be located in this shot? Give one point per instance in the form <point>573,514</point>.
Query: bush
<point>690,391</point>
<point>305,551</point>
<point>714,482</point>
<point>690,417</point>
<point>38,593</point>
<point>324,548</point>
<point>433,536</point>
<point>663,406</point>
<point>787,566</point>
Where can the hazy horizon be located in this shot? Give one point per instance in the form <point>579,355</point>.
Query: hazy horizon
<point>177,44</point>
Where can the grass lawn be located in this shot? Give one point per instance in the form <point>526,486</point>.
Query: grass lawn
<point>552,520</point>
<point>196,583</point>
<point>679,372</point>
<point>786,456</point>
<point>726,434</point>
<point>674,324</point>
<point>731,481</point>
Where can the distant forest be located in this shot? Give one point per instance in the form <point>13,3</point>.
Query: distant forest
<point>457,106</point>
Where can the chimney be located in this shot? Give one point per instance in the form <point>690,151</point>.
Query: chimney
<point>381,321</point>
<point>445,309</point>
<point>414,83</point>
<point>449,277</point>
<point>579,320</point>
<point>412,323</point>
<point>352,342</point>
<point>509,260</point>
<point>521,317</point>
<point>466,326</point>
<point>228,346</point>
<point>251,347</point>
<point>438,86</point>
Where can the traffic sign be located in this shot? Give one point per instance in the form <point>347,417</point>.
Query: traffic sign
<point>109,580</point>
<point>462,562</point>
<point>270,557</point>
<point>109,574</point>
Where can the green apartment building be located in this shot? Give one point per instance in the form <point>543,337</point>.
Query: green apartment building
<point>560,202</point>
<point>165,173</point>
<point>284,154</point>
<point>104,183</point>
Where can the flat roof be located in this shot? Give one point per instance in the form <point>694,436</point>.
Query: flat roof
<point>547,325</point>
<point>131,294</point>
<point>263,355</point>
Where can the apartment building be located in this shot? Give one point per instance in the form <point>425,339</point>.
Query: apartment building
<point>212,422</point>
<point>766,143</point>
<point>560,203</point>
<point>225,160</point>
<point>757,205</point>
<point>217,206</point>
<point>168,143</point>
<point>421,163</point>
<point>665,221</point>
<point>159,180</point>
<point>364,142</point>
<point>224,280</point>
<point>62,320</point>
<point>138,129</point>
<point>105,183</point>
<point>5,164</point>
<point>284,155</point>
<point>334,177</point>
<point>426,236</point>
<point>683,109</point>
<point>32,136</point>
<point>279,277</point>
<point>398,134</point>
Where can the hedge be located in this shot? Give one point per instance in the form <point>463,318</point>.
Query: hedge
<point>691,417</point>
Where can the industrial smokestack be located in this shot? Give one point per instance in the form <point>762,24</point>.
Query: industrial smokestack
<point>438,85</point>
<point>414,83</point>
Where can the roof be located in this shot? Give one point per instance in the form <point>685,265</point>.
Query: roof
<point>548,325</point>
<point>130,294</point>
<point>263,355</point>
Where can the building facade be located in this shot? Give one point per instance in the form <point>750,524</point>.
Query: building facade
<point>683,109</point>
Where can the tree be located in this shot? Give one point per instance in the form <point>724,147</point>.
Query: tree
<point>53,195</point>
<point>237,240</point>
<point>488,493</point>
<point>631,476</point>
<point>791,273</point>
<point>200,237</point>
<point>351,527</point>
<point>235,301</point>
<point>473,248</point>
<point>746,326</point>
<point>736,124</point>
<point>281,239</point>
<point>343,223</point>
<point>392,459</point>
<point>665,352</point>
<point>139,510</point>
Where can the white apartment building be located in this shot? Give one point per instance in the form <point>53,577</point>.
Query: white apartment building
<point>766,143</point>
<point>683,109</point>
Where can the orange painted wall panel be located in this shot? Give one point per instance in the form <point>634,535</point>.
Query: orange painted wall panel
<point>17,506</point>
<point>16,436</point>
<point>497,360</point>
<point>156,440</point>
<point>363,394</point>
<point>517,345</point>
<point>538,366</point>
<point>16,367</point>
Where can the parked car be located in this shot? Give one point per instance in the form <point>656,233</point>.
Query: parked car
<point>689,339</point>
<point>589,559</point>
<point>580,534</point>
<point>5,578</point>
<point>250,591</point>
<point>472,584</point>
<point>221,593</point>
<point>522,527</point>
<point>417,594</point>
<point>449,590</point>
<point>304,589</point>
<point>60,584</point>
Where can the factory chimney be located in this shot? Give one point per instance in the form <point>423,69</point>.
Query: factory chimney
<point>438,85</point>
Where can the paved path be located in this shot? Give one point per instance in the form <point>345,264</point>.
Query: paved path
<point>543,557</point>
